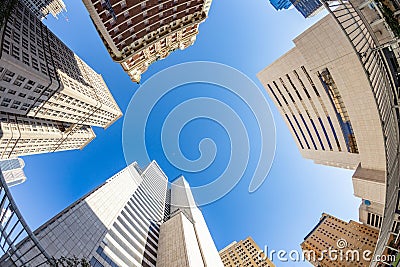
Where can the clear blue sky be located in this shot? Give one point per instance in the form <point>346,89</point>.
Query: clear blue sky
<point>247,35</point>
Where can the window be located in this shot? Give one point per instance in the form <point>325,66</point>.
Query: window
<point>333,93</point>
<point>293,129</point>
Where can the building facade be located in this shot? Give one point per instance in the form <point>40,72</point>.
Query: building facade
<point>351,239</point>
<point>13,172</point>
<point>49,97</point>
<point>244,253</point>
<point>41,8</point>
<point>184,238</point>
<point>324,95</point>
<point>371,213</point>
<point>138,33</point>
<point>126,222</point>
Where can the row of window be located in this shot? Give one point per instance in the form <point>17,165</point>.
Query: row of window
<point>307,121</point>
<point>374,220</point>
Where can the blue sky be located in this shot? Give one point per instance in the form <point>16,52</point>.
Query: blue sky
<point>247,35</point>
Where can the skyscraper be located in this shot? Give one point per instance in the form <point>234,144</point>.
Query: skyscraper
<point>325,97</point>
<point>244,253</point>
<point>131,220</point>
<point>344,111</point>
<point>138,33</point>
<point>185,240</point>
<point>49,96</point>
<point>41,8</point>
<point>12,170</point>
<point>350,243</point>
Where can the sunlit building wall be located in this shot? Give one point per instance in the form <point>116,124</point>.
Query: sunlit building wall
<point>326,100</point>
<point>47,93</point>
<point>124,222</point>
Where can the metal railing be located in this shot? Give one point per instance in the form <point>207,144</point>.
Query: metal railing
<point>13,229</point>
<point>365,44</point>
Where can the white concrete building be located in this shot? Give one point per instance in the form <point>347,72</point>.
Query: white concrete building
<point>126,222</point>
<point>23,135</point>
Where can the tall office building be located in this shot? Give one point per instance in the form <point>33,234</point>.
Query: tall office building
<point>138,33</point>
<point>41,8</point>
<point>130,221</point>
<point>349,239</point>
<point>12,170</point>
<point>369,185</point>
<point>49,96</point>
<point>184,238</point>
<point>336,91</point>
<point>325,97</point>
<point>244,253</point>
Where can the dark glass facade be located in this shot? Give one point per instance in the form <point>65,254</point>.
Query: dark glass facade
<point>305,7</point>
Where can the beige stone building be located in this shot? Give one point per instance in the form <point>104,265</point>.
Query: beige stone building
<point>351,239</point>
<point>23,135</point>
<point>244,253</point>
<point>347,103</point>
<point>138,33</point>
<point>49,97</point>
<point>325,98</point>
